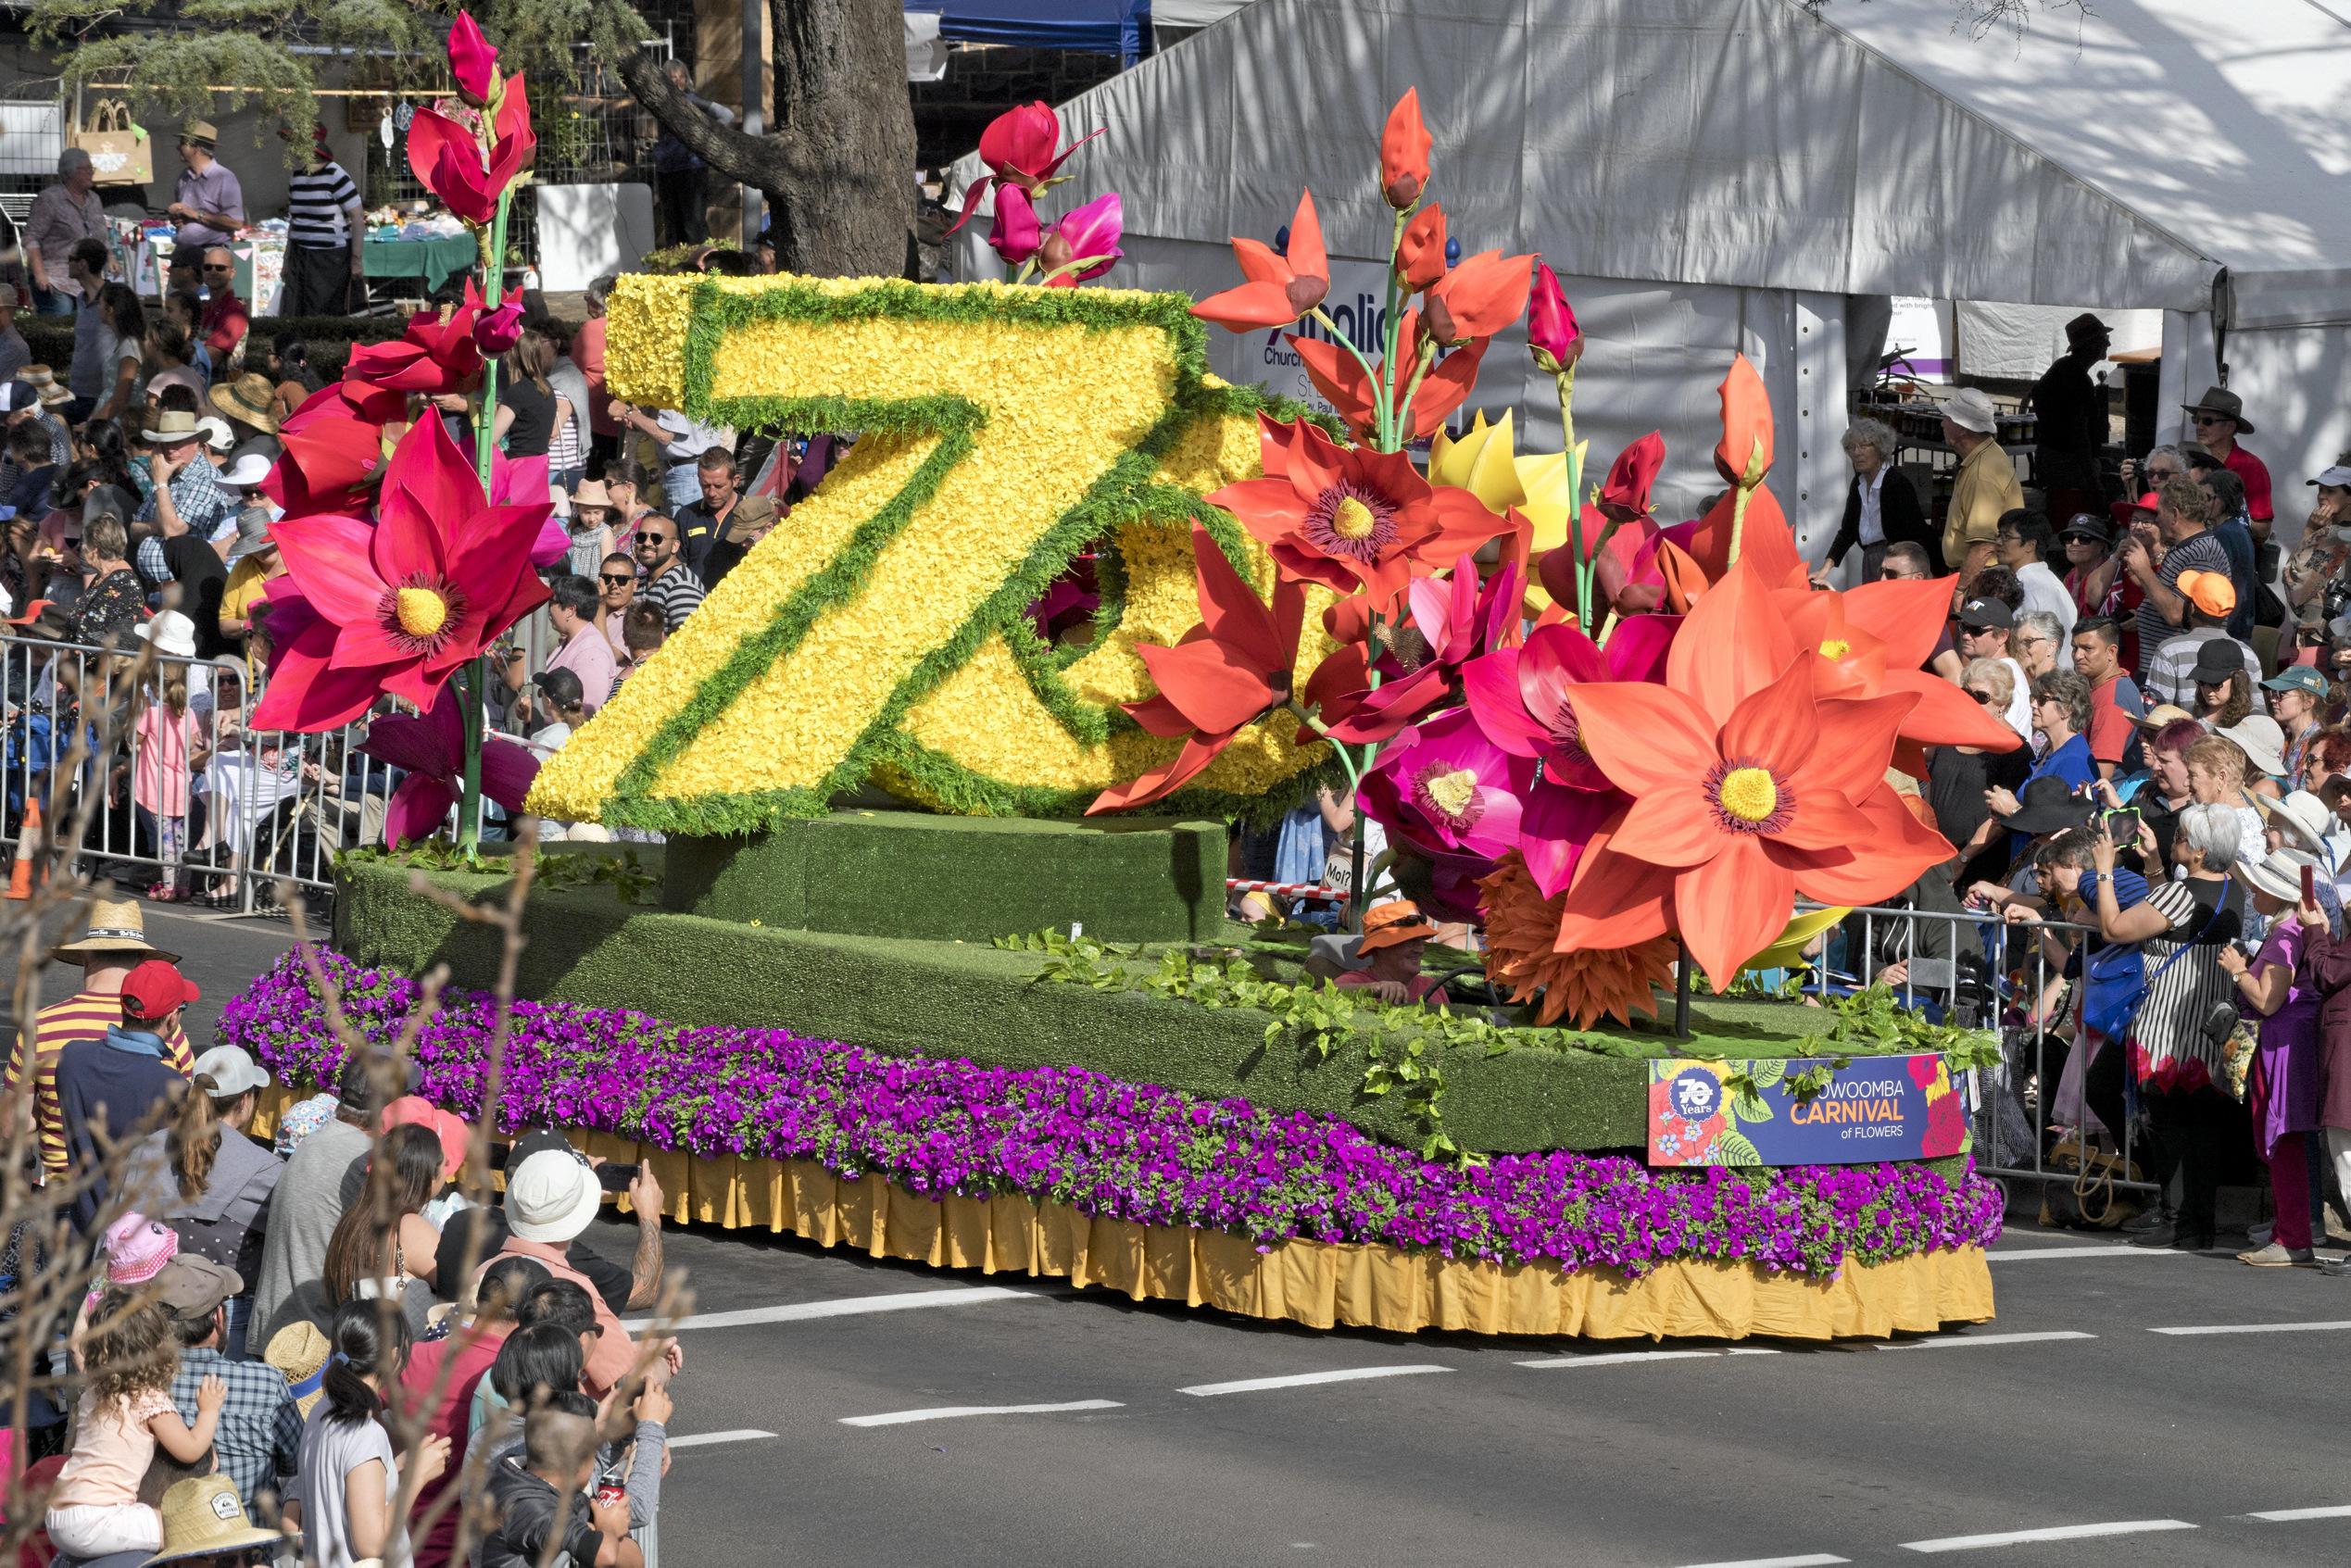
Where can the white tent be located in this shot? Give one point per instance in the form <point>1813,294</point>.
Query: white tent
<point>1712,175</point>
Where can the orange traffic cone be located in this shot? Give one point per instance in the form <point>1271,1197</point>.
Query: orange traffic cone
<point>28,845</point>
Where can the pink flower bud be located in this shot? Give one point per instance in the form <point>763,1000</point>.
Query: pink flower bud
<point>471,60</point>
<point>1551,330</point>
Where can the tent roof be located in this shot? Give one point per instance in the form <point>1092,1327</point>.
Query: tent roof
<point>1101,27</point>
<point>2118,158</point>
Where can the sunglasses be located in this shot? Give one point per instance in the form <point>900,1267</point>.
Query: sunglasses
<point>210,266</point>
<point>1985,697</point>
<point>616,582</point>
<point>2211,419</point>
<point>652,541</point>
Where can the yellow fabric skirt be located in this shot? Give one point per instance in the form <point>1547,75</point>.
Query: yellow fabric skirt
<point>1321,1285</point>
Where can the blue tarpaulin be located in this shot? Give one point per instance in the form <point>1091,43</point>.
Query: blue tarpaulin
<point>1101,27</point>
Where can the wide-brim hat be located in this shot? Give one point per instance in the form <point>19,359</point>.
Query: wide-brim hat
<point>203,132</point>
<point>2086,326</point>
<point>117,925</point>
<point>299,1351</point>
<point>2161,714</point>
<point>591,493</point>
<point>171,425</point>
<point>2303,817</point>
<point>1971,409</point>
<point>1392,925</point>
<point>2122,511</point>
<point>203,1517</point>
<point>2047,805</point>
<point>2279,873</point>
<point>551,1197</point>
<point>2261,740</point>
<point>246,472</point>
<point>2221,401</point>
<point>169,632</point>
<point>248,399</point>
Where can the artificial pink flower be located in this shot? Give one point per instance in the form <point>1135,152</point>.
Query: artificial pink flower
<point>449,162</point>
<point>1018,148</point>
<point>438,353</point>
<point>1014,235</point>
<point>401,603</point>
<point>471,60</point>
<point>432,751</point>
<point>1551,330</point>
<point>1090,232</point>
<point>495,330</point>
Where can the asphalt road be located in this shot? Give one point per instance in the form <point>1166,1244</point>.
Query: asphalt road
<point>2075,1412</point>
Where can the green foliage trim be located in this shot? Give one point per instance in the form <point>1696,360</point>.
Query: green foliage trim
<point>630,879</point>
<point>1125,494</point>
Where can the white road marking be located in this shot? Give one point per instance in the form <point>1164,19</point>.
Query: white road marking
<point>2123,1251</point>
<point>704,1439</point>
<point>2052,1533</point>
<point>2288,1515</point>
<point>951,1413</point>
<point>1813,1560</point>
<point>846,1307</point>
<point>1624,1358</point>
<point>1941,1340</point>
<point>1303,1379</point>
<point>2254,1328</point>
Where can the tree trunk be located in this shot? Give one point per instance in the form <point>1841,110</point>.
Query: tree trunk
<point>837,169</point>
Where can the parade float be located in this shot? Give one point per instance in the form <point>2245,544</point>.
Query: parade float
<point>933,958</point>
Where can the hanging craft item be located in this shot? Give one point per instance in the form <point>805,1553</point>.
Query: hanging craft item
<point>118,149</point>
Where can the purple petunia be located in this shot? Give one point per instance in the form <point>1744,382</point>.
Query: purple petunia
<point>1129,1151</point>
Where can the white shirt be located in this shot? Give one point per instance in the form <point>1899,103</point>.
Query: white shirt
<point>2045,594</point>
<point>2020,714</point>
<point>1873,522</point>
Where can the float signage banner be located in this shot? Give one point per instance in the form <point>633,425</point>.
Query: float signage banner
<point>1773,1110</point>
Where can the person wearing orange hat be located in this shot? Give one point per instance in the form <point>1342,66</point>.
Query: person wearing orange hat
<point>2204,651</point>
<point>1395,936</point>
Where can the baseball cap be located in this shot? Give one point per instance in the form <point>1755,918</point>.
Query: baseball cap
<point>1988,614</point>
<point>231,1070</point>
<point>563,687</point>
<point>2337,478</point>
<point>2210,591</point>
<point>2297,677</point>
<point>2219,659</point>
<point>551,1196</point>
<point>17,395</point>
<point>191,1287</point>
<point>2089,525</point>
<point>155,990</point>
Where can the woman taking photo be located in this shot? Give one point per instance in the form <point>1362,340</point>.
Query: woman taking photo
<point>2296,693</point>
<point>1880,507</point>
<point>2099,585</point>
<point>2276,987</point>
<point>383,1248</point>
<point>2187,1012</point>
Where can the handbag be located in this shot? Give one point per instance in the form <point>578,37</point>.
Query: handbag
<point>120,149</point>
<point>2118,1010</point>
<point>2088,1201</point>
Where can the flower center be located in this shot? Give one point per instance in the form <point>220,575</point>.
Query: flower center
<point>1747,797</point>
<point>1835,648</point>
<point>420,612</point>
<point>1351,521</point>
<point>1452,792</point>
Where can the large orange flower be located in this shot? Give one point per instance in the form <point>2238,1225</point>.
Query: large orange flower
<point>1282,285</point>
<point>1747,790</point>
<point>1404,151</point>
<point>1586,986</point>
<point>1349,518</point>
<point>1478,298</point>
<point>1872,642</point>
<point>1227,671</point>
<point>1342,379</point>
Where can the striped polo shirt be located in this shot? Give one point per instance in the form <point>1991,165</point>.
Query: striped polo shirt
<point>315,200</point>
<point>85,1015</point>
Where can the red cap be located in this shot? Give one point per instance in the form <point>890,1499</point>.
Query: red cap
<point>155,990</point>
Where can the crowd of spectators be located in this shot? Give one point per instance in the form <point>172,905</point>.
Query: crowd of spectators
<point>282,1332</point>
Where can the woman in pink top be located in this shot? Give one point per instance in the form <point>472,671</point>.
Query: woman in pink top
<point>163,761</point>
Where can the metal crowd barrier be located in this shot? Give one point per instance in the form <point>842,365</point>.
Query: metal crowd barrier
<point>1988,972</point>
<point>255,808</point>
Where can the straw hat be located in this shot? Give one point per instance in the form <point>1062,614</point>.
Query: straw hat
<point>172,425</point>
<point>248,399</point>
<point>203,132</point>
<point>43,379</point>
<point>591,493</point>
<point>300,1352</point>
<point>117,925</point>
<point>201,1517</point>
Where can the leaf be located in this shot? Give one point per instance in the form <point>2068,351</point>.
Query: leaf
<point>1749,1106</point>
<point>1762,1073</point>
<point>1733,1148</point>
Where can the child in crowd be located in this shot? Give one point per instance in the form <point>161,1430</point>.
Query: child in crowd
<point>125,1412</point>
<point>136,1249</point>
<point>169,752</point>
<point>348,1475</point>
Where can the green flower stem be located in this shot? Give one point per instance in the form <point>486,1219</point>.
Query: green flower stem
<point>475,691</point>
<point>1341,338</point>
<point>1389,438</point>
<point>1564,381</point>
<point>1412,389</point>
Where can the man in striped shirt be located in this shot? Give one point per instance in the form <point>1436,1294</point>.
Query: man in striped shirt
<point>668,583</point>
<point>323,229</point>
<point>115,943</point>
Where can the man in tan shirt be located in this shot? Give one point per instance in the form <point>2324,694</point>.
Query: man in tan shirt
<point>1986,487</point>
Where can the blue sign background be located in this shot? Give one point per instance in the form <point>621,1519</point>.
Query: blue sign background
<point>1742,1112</point>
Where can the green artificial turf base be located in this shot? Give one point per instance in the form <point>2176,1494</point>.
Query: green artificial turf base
<point>969,999</point>
<point>908,874</point>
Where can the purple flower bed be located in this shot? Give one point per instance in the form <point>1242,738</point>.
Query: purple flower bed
<point>1132,1151</point>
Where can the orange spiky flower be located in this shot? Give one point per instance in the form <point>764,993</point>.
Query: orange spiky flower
<point>1586,986</point>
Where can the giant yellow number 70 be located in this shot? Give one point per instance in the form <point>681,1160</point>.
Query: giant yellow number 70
<point>879,632</point>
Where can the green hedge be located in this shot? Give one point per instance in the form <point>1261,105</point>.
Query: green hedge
<point>961,999</point>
